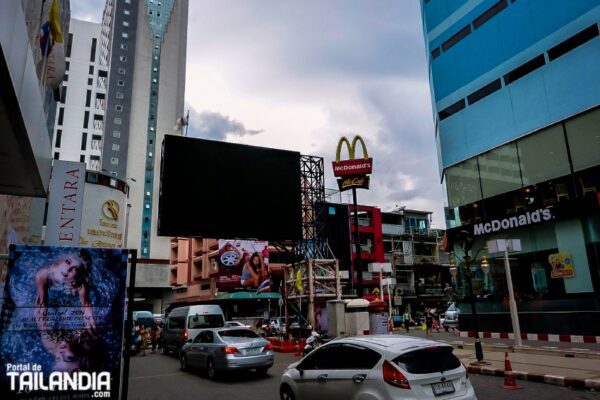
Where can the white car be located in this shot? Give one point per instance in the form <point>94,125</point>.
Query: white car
<point>378,367</point>
<point>236,324</point>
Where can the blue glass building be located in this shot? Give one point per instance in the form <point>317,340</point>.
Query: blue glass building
<point>515,86</point>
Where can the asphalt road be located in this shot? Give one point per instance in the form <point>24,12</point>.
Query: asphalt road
<point>158,377</point>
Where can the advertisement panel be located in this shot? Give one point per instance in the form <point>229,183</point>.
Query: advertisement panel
<point>244,265</point>
<point>104,217</point>
<point>61,326</point>
<point>65,203</point>
<point>562,265</point>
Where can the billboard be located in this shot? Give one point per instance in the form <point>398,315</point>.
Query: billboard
<point>65,203</point>
<point>215,189</point>
<point>244,265</point>
<point>104,217</point>
<point>61,330</point>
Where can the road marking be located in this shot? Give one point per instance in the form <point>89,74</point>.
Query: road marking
<point>156,376</point>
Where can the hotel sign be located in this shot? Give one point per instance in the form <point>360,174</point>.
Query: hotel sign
<point>352,173</point>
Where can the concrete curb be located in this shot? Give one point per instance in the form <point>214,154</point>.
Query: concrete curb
<point>585,384</point>
<point>571,353</point>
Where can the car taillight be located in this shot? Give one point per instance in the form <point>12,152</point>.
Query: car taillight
<point>185,335</point>
<point>268,347</point>
<point>394,377</point>
<point>229,350</point>
<point>466,369</point>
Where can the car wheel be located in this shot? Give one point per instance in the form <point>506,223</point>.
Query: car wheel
<point>210,369</point>
<point>285,393</point>
<point>183,361</point>
<point>262,371</point>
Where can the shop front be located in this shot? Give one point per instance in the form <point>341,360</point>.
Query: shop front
<point>556,275</point>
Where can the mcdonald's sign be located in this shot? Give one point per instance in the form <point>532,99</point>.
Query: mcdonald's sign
<point>352,173</point>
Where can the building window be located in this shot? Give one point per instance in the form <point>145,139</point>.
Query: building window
<point>61,115</point>
<point>122,71</point>
<point>86,117</point>
<point>88,98</point>
<point>119,107</point>
<point>91,71</point>
<point>116,147</point>
<point>126,12</point>
<point>117,121</point>
<point>125,23</point>
<point>499,170</point>
<point>123,46</point>
<point>583,133</point>
<point>120,83</point>
<point>82,158</point>
<point>462,182</point>
<point>147,205</point>
<point>58,137</point>
<point>83,140</point>
<point>56,155</point>
<point>543,155</point>
<point>124,35</point>
<point>123,58</point>
<point>69,45</point>
<point>90,81</point>
<point>114,161</point>
<point>150,154</point>
<point>116,134</point>
<point>120,95</point>
<point>63,94</point>
<point>127,1</point>
<point>67,66</point>
<point>93,50</point>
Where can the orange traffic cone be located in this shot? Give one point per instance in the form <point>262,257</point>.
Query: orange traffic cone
<point>509,378</point>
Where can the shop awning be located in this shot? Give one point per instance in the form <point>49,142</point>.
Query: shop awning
<point>269,295</point>
<point>247,296</point>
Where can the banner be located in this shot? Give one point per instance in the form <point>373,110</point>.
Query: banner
<point>562,265</point>
<point>65,203</point>
<point>244,265</point>
<point>61,326</point>
<point>104,216</point>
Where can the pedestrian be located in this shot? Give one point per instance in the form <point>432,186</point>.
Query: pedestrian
<point>153,337</point>
<point>436,321</point>
<point>428,320</point>
<point>406,319</point>
<point>143,332</point>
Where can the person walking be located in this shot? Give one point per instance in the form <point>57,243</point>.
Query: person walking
<point>143,332</point>
<point>153,337</point>
<point>406,320</point>
<point>428,321</point>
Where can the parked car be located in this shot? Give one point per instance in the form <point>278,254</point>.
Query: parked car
<point>378,367</point>
<point>183,323</point>
<point>227,349</point>
<point>236,324</point>
<point>450,316</point>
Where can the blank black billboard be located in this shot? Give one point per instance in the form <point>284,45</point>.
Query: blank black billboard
<point>223,190</point>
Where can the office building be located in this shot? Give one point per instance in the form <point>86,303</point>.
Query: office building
<point>514,87</point>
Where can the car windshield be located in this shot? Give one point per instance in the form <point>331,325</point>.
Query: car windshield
<point>428,360</point>
<point>232,334</point>
<point>205,321</point>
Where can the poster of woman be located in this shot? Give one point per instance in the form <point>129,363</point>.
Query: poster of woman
<point>62,316</point>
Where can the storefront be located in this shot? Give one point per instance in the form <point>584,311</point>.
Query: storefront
<point>555,275</point>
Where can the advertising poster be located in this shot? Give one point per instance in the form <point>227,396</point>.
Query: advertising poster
<point>244,265</point>
<point>562,265</point>
<point>104,217</point>
<point>61,324</point>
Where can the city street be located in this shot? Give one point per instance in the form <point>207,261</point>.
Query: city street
<point>158,377</point>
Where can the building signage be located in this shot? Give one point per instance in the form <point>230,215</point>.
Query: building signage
<point>65,204</point>
<point>562,265</point>
<point>528,218</point>
<point>104,217</point>
<point>352,173</point>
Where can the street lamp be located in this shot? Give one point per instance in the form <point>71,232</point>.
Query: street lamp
<point>466,241</point>
<point>485,268</point>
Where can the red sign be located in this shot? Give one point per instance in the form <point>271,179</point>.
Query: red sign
<point>353,167</point>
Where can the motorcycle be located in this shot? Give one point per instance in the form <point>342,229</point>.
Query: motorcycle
<point>315,340</point>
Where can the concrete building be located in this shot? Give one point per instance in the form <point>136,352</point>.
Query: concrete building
<point>79,122</point>
<point>517,117</point>
<point>26,112</point>
<point>147,43</point>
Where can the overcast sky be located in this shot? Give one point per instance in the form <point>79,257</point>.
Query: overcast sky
<point>298,75</point>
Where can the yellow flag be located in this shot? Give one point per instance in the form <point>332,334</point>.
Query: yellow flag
<point>298,285</point>
<point>55,23</point>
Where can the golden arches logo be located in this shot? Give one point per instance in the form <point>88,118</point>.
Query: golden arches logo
<point>110,209</point>
<point>351,148</point>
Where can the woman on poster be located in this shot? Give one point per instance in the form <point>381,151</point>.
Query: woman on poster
<point>254,274</point>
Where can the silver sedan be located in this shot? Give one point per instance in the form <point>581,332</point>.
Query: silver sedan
<point>227,349</point>
<point>378,367</point>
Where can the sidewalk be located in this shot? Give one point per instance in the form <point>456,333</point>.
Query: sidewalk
<point>535,361</point>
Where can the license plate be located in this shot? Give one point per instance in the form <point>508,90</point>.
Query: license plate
<point>255,350</point>
<point>441,388</point>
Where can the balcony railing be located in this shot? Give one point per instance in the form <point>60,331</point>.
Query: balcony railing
<point>96,144</point>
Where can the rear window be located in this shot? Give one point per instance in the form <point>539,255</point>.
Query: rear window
<point>428,360</point>
<point>206,321</point>
<point>237,333</point>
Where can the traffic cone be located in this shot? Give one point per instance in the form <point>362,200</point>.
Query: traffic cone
<point>509,378</point>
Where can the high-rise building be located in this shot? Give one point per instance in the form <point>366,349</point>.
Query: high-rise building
<point>146,42</point>
<point>514,87</point>
<point>80,118</point>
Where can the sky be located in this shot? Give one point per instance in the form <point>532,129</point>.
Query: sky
<point>299,75</point>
